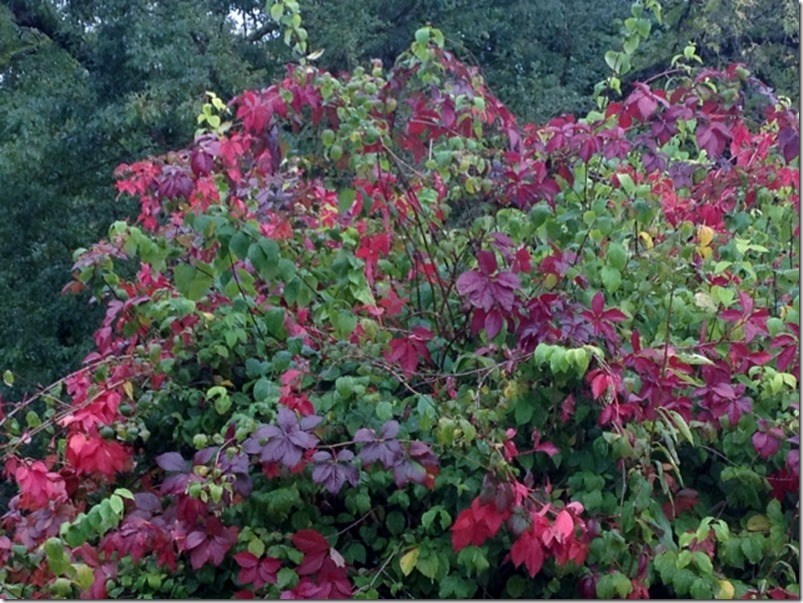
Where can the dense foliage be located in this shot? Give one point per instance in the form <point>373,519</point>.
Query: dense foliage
<point>371,337</point>
<point>88,84</point>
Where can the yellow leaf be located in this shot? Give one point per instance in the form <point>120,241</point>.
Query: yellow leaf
<point>758,523</point>
<point>645,236</point>
<point>408,561</point>
<point>84,576</point>
<point>705,252</point>
<point>726,590</point>
<point>128,389</point>
<point>705,234</point>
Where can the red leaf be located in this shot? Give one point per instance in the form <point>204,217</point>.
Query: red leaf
<point>462,530</point>
<point>476,524</point>
<point>527,550</point>
<point>310,542</point>
<point>564,524</point>
<point>38,486</point>
<point>315,549</point>
<point>96,455</point>
<point>598,303</point>
<point>487,262</point>
<point>246,559</point>
<point>600,385</point>
<point>547,447</point>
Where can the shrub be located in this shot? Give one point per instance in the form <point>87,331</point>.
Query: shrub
<point>371,337</point>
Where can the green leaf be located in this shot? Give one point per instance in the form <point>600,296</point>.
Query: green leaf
<point>345,199</point>
<point>455,587</point>
<point>682,581</point>
<point>286,578</point>
<point>384,411</point>
<point>84,575</point>
<point>57,560</point>
<point>355,553</point>
<point>722,295</point>
<point>239,245</point>
<point>701,588</point>
<point>395,522</point>
<point>703,562</point>
<point>611,279</point>
<point>753,548</point>
<point>666,564</point>
<point>256,547</point>
<point>264,255</point>
<point>277,11</point>
<point>612,59</point>
<point>124,493</point>
<point>684,559</point>
<point>32,419</point>
<point>116,504</point>
<point>616,256</point>
<point>274,320</point>
<point>429,516</point>
<point>191,282</point>
<point>222,404</point>
<point>8,378</point>
<point>523,412</point>
<point>515,587</point>
<point>408,560</point>
<point>428,565</point>
<point>264,389</point>
<point>621,585</point>
<point>631,44</point>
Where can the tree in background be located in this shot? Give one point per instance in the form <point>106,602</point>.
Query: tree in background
<point>85,86</point>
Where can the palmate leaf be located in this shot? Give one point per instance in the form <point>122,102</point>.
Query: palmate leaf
<point>528,550</point>
<point>285,442</point>
<point>383,448</point>
<point>335,472</point>
<point>209,543</point>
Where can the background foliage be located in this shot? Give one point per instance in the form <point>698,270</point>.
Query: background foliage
<point>370,335</point>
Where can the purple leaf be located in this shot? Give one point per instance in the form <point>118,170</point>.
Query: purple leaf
<point>194,539</point>
<point>422,453</point>
<point>390,429</point>
<point>387,452</point>
<point>334,473</point>
<point>309,422</point>
<point>365,435</point>
<point>286,442</point>
<point>202,457</point>
<point>302,439</point>
<point>407,472</point>
<point>172,461</point>
<point>175,182</point>
<point>765,444</point>
<point>473,285</point>
<point>493,323</point>
<point>147,502</point>
<point>286,419</point>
